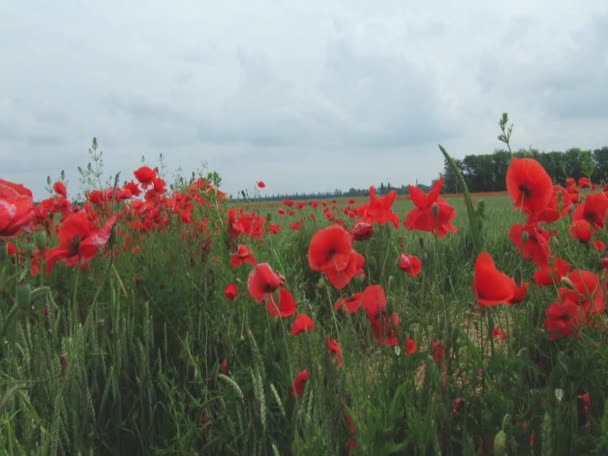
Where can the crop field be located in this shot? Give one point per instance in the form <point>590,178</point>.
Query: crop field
<point>153,321</point>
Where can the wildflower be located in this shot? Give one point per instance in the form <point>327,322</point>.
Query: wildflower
<point>532,241</point>
<point>410,264</point>
<point>263,281</point>
<point>16,209</point>
<point>334,347</point>
<point>242,256</point>
<point>302,323</point>
<point>593,210</point>
<point>331,252</point>
<point>349,303</point>
<point>410,346</point>
<point>379,209</point>
<point>79,240</point>
<point>362,230</point>
<point>231,291</point>
<point>432,213</point>
<point>529,185</point>
<point>261,184</point>
<point>551,273</point>
<point>59,188</point>
<point>491,286</point>
<point>145,175</point>
<point>297,389</point>
<point>286,307</point>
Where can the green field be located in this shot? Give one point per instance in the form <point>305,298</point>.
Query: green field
<point>143,353</point>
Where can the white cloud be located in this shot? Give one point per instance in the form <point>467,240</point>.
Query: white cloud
<point>313,96</point>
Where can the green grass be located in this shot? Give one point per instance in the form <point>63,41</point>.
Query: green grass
<point>125,358</point>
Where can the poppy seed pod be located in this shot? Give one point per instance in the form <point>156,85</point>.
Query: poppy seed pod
<point>568,283</point>
<point>435,210</point>
<point>525,236</point>
<point>40,239</point>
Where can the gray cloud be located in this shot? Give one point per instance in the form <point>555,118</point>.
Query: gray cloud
<point>314,96</point>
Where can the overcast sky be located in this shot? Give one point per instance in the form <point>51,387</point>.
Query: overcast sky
<point>308,96</point>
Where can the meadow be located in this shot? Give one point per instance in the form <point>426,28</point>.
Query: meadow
<point>178,322</point>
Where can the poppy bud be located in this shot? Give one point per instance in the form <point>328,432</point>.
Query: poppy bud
<point>29,249</point>
<point>568,283</point>
<point>23,295</point>
<point>500,443</point>
<point>40,239</point>
<point>435,209</point>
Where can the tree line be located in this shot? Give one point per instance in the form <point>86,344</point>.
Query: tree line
<point>487,172</point>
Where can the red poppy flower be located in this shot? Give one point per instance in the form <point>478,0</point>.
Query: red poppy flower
<point>145,175</point>
<point>410,346</point>
<point>340,278</point>
<point>79,240</point>
<point>242,256</point>
<point>374,301</point>
<point>563,318</point>
<point>529,185</point>
<point>532,241</point>
<point>263,281</point>
<point>362,230</point>
<point>593,209</point>
<point>331,252</point>
<point>410,264</point>
<point>11,249</point>
<point>383,327</point>
<point>334,347</point>
<point>59,188</point>
<point>379,209</point>
<point>224,367</point>
<point>330,247</point>
<point>497,332</point>
<point>349,303</point>
<point>584,182</point>
<point>96,197</point>
<point>491,286</point>
<point>438,352</point>
<point>231,291</point>
<point>551,273</point>
<point>431,213</point>
<point>16,209</point>
<point>286,307</point>
<point>133,188</point>
<point>297,389</point>
<point>288,203</point>
<point>581,230</point>
<point>558,207</point>
<point>599,245</point>
<point>295,226</point>
<point>261,184</point>
<point>588,291</point>
<point>302,323</point>
<point>520,293</point>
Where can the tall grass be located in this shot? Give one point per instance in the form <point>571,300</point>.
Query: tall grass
<point>126,357</point>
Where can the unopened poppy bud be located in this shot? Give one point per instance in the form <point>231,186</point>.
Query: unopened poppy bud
<point>23,295</point>
<point>40,240</point>
<point>113,235</point>
<point>500,443</point>
<point>568,283</point>
<point>29,249</point>
<point>435,209</point>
